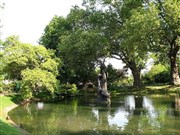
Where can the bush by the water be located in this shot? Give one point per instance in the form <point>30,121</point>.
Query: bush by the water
<point>68,90</point>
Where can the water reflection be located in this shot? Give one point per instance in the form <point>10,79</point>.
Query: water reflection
<point>175,111</point>
<point>40,105</point>
<point>126,115</point>
<point>119,120</point>
<point>177,102</point>
<point>133,105</point>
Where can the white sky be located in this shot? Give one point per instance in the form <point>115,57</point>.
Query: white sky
<point>28,18</point>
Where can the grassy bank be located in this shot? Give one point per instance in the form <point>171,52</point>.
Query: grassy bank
<point>152,89</point>
<point>6,127</point>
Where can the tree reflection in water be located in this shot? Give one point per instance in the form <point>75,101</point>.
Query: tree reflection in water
<point>177,103</point>
<point>126,115</point>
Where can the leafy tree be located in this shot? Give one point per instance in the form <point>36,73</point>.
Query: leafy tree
<point>87,41</point>
<point>161,31</point>
<point>19,56</point>
<point>52,38</point>
<point>169,32</point>
<point>119,38</point>
<point>114,75</point>
<point>34,67</point>
<point>134,46</point>
<point>56,28</point>
<point>152,26</point>
<point>95,33</point>
<point>38,81</point>
<point>78,40</point>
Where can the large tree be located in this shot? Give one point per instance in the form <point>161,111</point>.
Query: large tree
<point>34,67</point>
<point>86,46</point>
<point>147,26</point>
<point>97,32</point>
<point>60,34</point>
<point>169,33</point>
<point>157,25</point>
<point>119,37</point>
<point>134,36</point>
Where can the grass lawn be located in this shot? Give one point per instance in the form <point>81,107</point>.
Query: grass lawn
<point>5,126</point>
<point>162,89</point>
<point>152,89</point>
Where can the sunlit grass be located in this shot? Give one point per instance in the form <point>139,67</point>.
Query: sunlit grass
<point>152,89</point>
<point>5,127</point>
<point>162,89</point>
<point>5,102</point>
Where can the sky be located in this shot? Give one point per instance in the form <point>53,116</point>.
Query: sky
<point>28,18</point>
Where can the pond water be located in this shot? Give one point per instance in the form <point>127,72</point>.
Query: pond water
<point>127,115</point>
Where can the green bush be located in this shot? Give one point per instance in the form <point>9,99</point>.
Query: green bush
<point>126,81</point>
<point>157,75</point>
<point>68,90</point>
<point>26,92</point>
<point>8,87</point>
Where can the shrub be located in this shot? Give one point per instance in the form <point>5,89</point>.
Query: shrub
<point>157,75</point>
<point>68,90</point>
<point>8,87</point>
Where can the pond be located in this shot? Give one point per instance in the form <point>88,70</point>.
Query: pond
<point>126,115</point>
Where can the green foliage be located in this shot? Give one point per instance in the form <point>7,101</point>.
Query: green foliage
<point>9,87</point>
<point>38,80</point>
<point>68,90</point>
<point>115,75</point>
<point>123,82</point>
<point>157,75</point>
<point>1,83</point>
<point>78,41</point>
<point>19,56</point>
<point>127,30</point>
<point>165,42</point>
<point>57,27</point>
<point>34,67</point>
<point>26,92</point>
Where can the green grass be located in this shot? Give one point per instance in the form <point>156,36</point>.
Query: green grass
<point>6,101</point>
<point>153,89</point>
<point>162,89</point>
<point>5,127</point>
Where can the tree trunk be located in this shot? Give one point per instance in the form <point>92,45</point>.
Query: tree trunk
<point>174,74</point>
<point>136,72</point>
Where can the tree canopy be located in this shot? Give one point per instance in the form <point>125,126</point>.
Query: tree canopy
<point>127,30</point>
<point>34,67</point>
